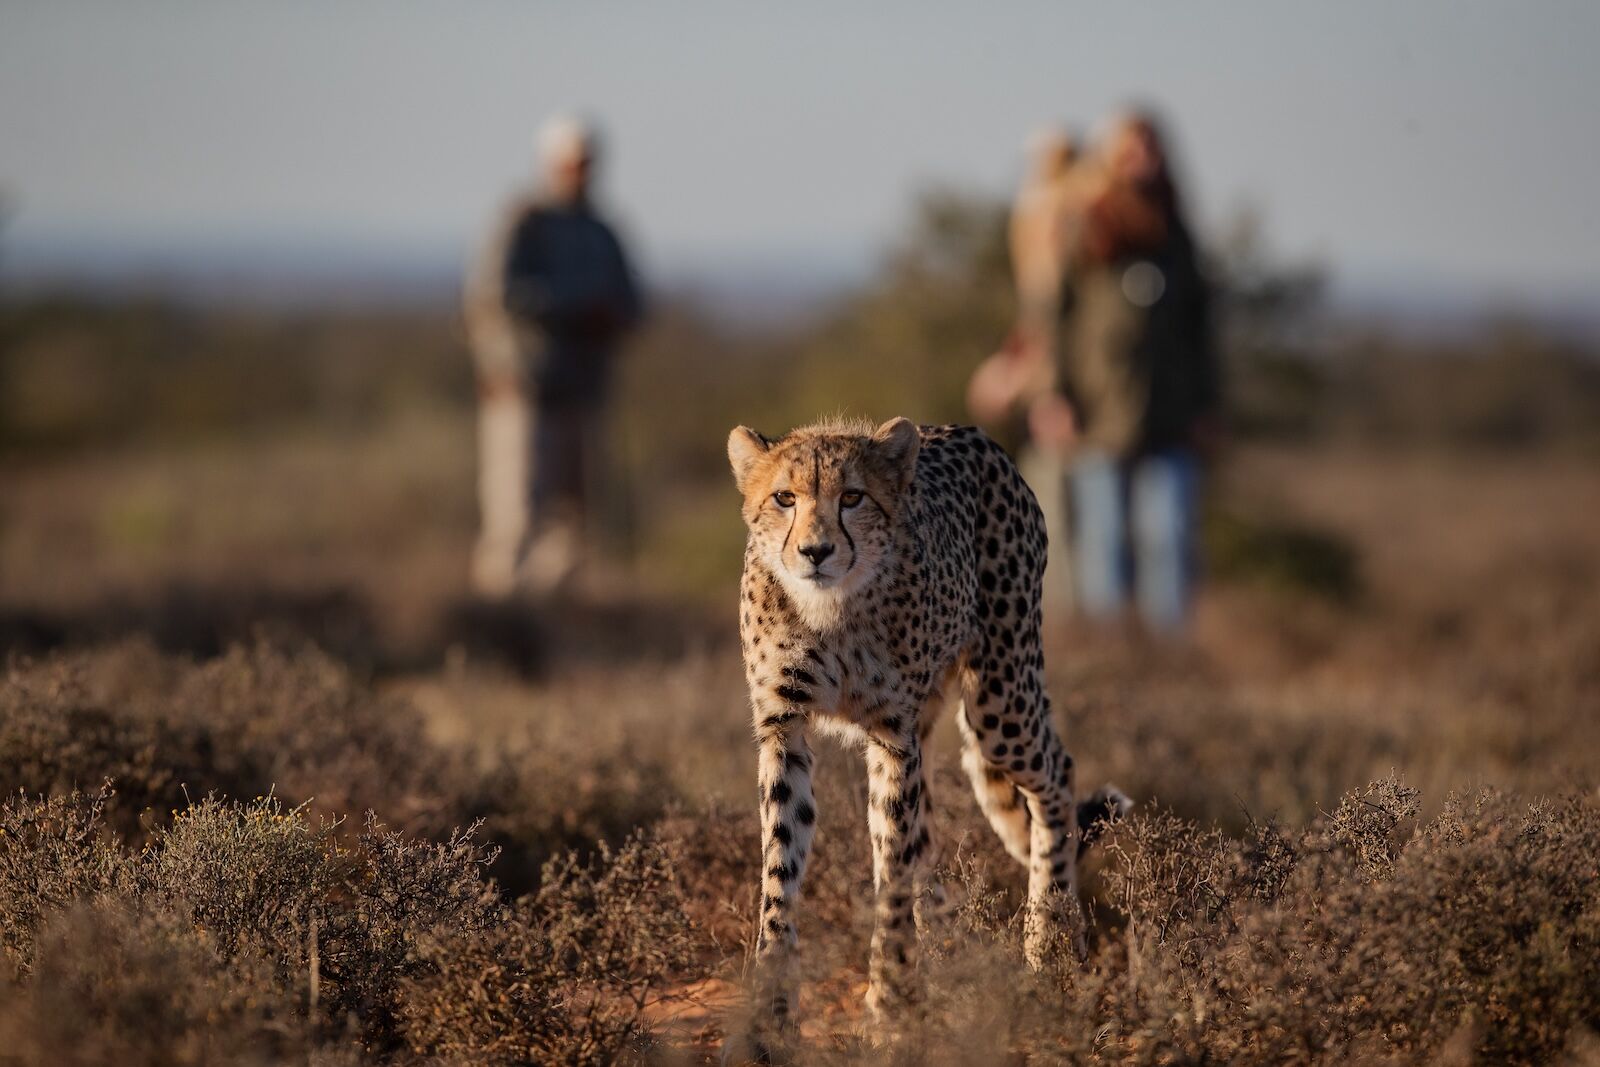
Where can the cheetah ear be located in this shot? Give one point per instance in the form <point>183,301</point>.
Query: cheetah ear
<point>745,449</point>
<point>896,444</point>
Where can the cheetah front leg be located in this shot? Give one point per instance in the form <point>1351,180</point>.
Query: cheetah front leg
<point>897,818</point>
<point>788,822</point>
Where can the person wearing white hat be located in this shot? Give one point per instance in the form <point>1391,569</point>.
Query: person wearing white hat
<point>547,304</point>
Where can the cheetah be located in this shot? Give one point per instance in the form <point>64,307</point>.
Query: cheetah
<point>884,569</point>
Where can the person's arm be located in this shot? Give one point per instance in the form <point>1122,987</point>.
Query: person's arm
<point>1017,243</point>
<point>491,333</point>
<point>627,306</point>
<point>1036,269</point>
<point>1208,430</point>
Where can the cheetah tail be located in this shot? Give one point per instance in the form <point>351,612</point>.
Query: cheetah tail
<point>1102,808</point>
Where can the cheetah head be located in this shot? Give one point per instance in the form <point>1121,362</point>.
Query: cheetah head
<point>821,504</point>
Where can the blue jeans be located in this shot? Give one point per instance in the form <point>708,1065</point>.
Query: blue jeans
<point>1134,525</point>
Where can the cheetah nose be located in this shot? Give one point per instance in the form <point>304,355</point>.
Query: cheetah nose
<point>816,553</point>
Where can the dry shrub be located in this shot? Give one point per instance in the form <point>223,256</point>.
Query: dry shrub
<point>569,978</point>
<point>1350,942</point>
<point>1351,928</point>
<point>254,721</point>
<point>1281,555</point>
<point>250,933</point>
<point>1367,823</point>
<point>52,852</point>
<point>718,847</point>
<point>135,983</point>
<point>266,720</point>
<point>1362,937</point>
<point>51,742</point>
<point>542,801</point>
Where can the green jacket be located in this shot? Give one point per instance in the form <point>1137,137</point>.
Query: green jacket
<point>1138,360</point>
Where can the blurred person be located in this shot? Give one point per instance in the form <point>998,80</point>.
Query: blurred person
<point>1017,385</point>
<point>547,304</point>
<point>1041,218</point>
<point>1044,222</point>
<point>1140,373</point>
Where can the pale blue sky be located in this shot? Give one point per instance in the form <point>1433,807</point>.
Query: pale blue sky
<point>1433,142</point>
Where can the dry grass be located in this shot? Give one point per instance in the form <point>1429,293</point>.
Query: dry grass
<point>1282,896</point>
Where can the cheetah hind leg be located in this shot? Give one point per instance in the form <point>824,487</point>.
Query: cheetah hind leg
<point>1007,809</point>
<point>998,796</point>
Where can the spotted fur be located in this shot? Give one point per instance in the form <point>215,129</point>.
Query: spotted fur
<point>884,569</point>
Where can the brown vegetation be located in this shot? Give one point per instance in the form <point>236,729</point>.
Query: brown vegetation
<point>1369,822</point>
<point>1264,904</point>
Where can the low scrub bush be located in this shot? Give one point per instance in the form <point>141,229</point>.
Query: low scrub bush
<point>249,932</point>
<point>1362,938</point>
<point>263,720</point>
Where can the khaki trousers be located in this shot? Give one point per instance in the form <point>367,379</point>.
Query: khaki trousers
<point>536,473</point>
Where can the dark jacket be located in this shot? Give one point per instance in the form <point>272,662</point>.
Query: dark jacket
<point>1139,363</point>
<point>557,277</point>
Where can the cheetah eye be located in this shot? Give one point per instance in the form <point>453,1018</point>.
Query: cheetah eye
<point>850,498</point>
<point>783,498</point>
